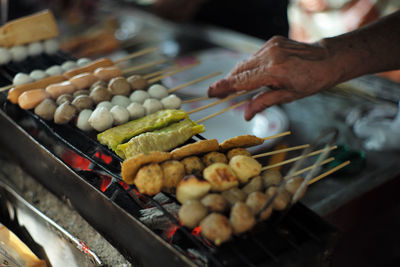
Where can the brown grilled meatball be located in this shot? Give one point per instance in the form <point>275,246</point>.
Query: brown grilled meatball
<point>173,172</point>
<point>137,82</point>
<point>82,102</point>
<point>99,94</point>
<point>193,165</point>
<point>234,195</point>
<point>46,109</point>
<point>80,92</point>
<point>220,176</point>
<point>215,202</point>
<point>216,228</point>
<point>237,151</point>
<point>119,86</point>
<point>214,157</point>
<point>282,200</point>
<point>64,98</point>
<point>97,84</point>
<point>191,213</point>
<point>245,167</point>
<point>271,178</point>
<point>256,201</point>
<point>64,113</point>
<point>191,187</point>
<point>149,179</point>
<point>241,218</point>
<point>254,185</point>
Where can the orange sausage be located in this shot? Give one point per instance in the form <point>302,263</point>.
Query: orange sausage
<point>105,74</point>
<point>16,91</point>
<point>83,80</point>
<point>101,62</point>
<point>57,89</point>
<point>32,98</point>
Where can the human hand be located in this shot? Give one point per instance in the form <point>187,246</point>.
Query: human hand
<point>293,69</point>
<point>179,10</point>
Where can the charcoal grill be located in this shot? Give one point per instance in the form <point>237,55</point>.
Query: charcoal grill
<point>73,165</point>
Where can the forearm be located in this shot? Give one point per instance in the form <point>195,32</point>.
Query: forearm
<point>373,48</point>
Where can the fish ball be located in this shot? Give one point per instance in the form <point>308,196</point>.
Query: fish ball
<point>137,82</point>
<point>38,75</point>
<point>99,94</point>
<point>5,55</point>
<point>120,100</point>
<point>54,70</point>
<point>237,151</point>
<point>119,86</point>
<point>19,53</point>
<point>234,195</point>
<point>171,102</point>
<point>215,202</point>
<point>191,213</point>
<point>101,119</point>
<point>254,185</point>
<point>83,102</point>
<point>193,165</point>
<point>35,49</point>
<point>64,98</point>
<point>83,120</point>
<point>213,157</point>
<point>241,218</point>
<point>136,110</point>
<point>256,201</point>
<point>80,92</point>
<point>149,179</point>
<point>173,171</point>
<point>157,91</point>
<point>120,114</point>
<point>64,113</point>
<point>139,96</point>
<point>69,65</point>
<point>271,178</point>
<point>293,184</point>
<point>245,167</point>
<point>216,227</point>
<point>106,104</point>
<point>191,187</point>
<point>98,83</point>
<point>152,105</point>
<point>22,78</point>
<point>281,200</point>
<point>50,46</point>
<point>46,109</point>
<point>83,62</point>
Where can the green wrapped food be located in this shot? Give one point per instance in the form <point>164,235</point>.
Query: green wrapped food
<point>122,133</point>
<point>163,139</point>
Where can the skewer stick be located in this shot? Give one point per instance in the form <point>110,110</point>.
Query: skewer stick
<point>297,158</point>
<point>154,74</point>
<point>276,135</point>
<point>319,177</point>
<point>5,88</point>
<point>280,151</point>
<point>156,79</point>
<point>143,66</point>
<point>136,54</point>
<point>216,102</point>
<point>194,81</point>
<point>312,166</point>
<point>222,111</point>
<point>201,98</point>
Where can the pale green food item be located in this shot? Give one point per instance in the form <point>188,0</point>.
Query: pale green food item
<point>120,134</point>
<point>163,139</point>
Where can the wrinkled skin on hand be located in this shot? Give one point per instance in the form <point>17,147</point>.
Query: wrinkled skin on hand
<point>294,70</point>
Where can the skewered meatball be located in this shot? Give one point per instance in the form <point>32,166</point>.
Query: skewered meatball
<point>101,119</point>
<point>171,102</point>
<point>216,228</point>
<point>83,120</point>
<point>106,104</point>
<point>119,86</point>
<point>54,70</point>
<point>293,184</point>
<point>191,213</point>
<point>99,94</point>
<point>50,46</point>
<point>83,62</point>
<point>255,184</point>
<point>241,218</point>
<point>152,105</point>
<point>64,98</point>
<point>234,195</point>
<point>35,49</point>
<point>46,109</point>
<point>245,167</point>
<point>136,110</point>
<point>237,151</point>
<point>137,82</point>
<point>120,114</point>
<point>193,165</point>
<point>213,157</point>
<point>19,53</point>
<point>256,201</point>
<point>80,92</point>
<point>157,91</point>
<point>98,83</point>
<point>271,178</point>
<point>68,65</point>
<point>139,96</point>
<point>173,172</point>
<point>215,202</point>
<point>5,55</point>
<point>282,200</point>
<point>149,179</point>
<point>83,102</point>
<point>120,100</point>
<point>64,113</point>
<point>38,75</point>
<point>220,176</point>
<point>22,78</point>
<point>191,187</point>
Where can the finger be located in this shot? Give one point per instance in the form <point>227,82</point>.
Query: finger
<point>247,64</point>
<point>265,100</point>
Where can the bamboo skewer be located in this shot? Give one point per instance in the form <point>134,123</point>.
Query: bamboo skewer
<point>154,74</point>
<point>222,111</point>
<point>136,54</point>
<point>194,81</point>
<point>143,66</point>
<point>276,135</point>
<point>201,98</point>
<point>299,157</point>
<point>312,166</point>
<point>156,79</point>
<point>280,151</point>
<point>5,88</point>
<point>319,177</point>
<point>216,102</point>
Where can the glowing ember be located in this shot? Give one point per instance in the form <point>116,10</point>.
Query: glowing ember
<point>76,161</point>
<point>105,182</point>
<point>196,231</point>
<point>172,231</point>
<point>105,158</point>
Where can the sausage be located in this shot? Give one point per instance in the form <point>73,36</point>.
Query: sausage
<point>32,98</point>
<point>107,73</point>
<point>83,80</point>
<point>15,92</point>
<point>102,62</point>
<point>57,89</point>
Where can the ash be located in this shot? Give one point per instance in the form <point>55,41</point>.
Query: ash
<point>59,211</point>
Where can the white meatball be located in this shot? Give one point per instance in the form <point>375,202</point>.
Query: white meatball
<point>38,75</point>
<point>22,78</point>
<point>106,104</point>
<point>120,114</point>
<point>68,65</point>
<point>171,102</point>
<point>83,120</point>
<point>101,119</point>
<point>152,105</point>
<point>157,91</point>
<point>54,70</point>
<point>35,49</point>
<point>120,100</point>
<point>139,96</point>
<point>19,52</point>
<point>5,55</point>
<point>50,46</point>
<point>83,62</point>
<point>136,110</point>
